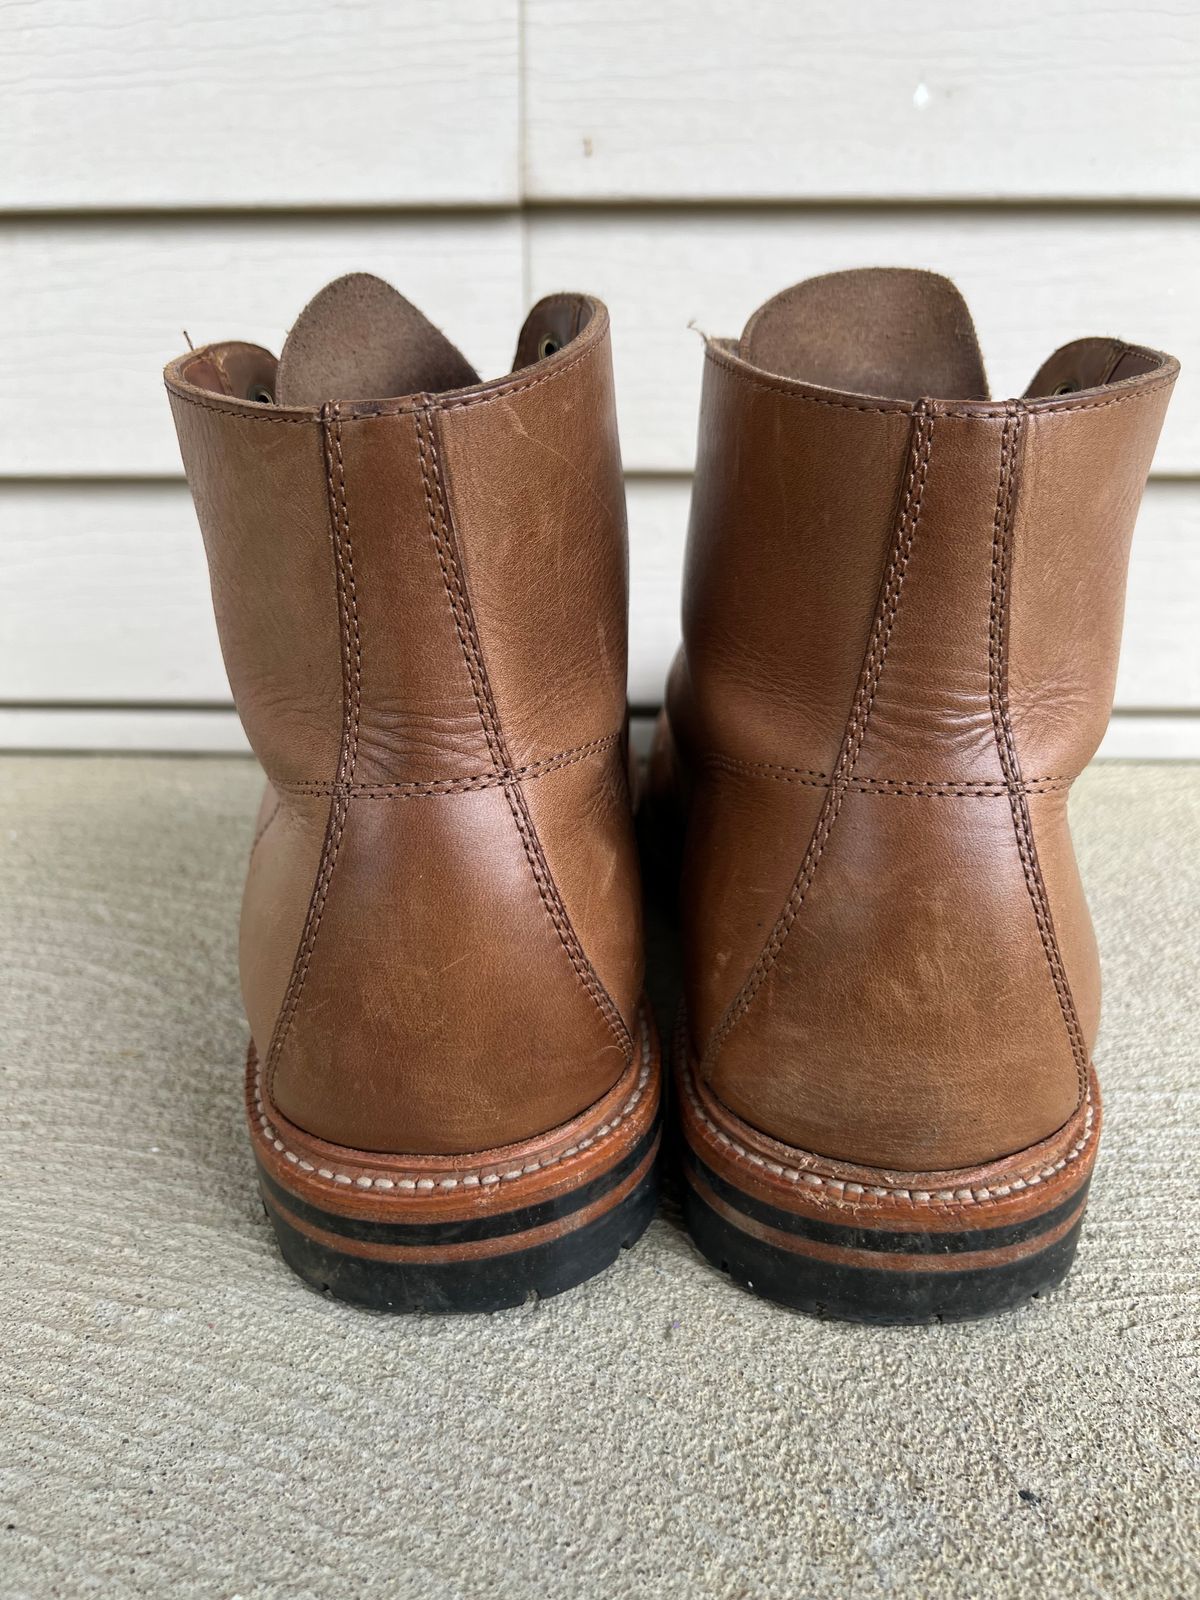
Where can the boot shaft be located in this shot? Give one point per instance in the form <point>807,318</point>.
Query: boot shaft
<point>422,608</point>
<point>902,614</point>
<point>1024,508</point>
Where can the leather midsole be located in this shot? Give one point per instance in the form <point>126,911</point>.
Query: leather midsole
<point>874,1253</point>
<point>477,1249</point>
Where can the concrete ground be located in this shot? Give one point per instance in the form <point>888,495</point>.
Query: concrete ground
<point>181,1417</point>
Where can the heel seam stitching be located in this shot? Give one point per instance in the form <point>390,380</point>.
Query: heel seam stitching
<point>887,607</point>
<point>351,663</point>
<point>1006,749</point>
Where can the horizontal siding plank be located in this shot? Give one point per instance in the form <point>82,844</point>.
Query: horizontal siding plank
<point>931,99</point>
<point>1033,279</point>
<point>1148,738</point>
<point>163,731</point>
<point>104,596</point>
<point>280,103</point>
<point>101,306</point>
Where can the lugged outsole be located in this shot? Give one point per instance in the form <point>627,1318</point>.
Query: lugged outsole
<point>491,1284</point>
<point>866,1245</point>
<point>907,1294</point>
<point>465,1234</point>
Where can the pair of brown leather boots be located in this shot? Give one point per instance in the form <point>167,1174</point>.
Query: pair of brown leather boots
<point>902,612</point>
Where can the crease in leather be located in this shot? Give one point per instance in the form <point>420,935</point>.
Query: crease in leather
<point>907,522</point>
<point>476,780</point>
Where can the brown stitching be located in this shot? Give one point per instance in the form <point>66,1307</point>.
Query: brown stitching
<point>351,637</point>
<point>453,587</point>
<point>436,786</point>
<point>717,355</point>
<point>886,612</point>
<point>246,416</point>
<point>956,413</point>
<point>464,622</point>
<point>768,768</point>
<point>1002,542</point>
<point>1036,409</point>
<point>888,788</point>
<point>351,657</point>
<point>291,1000</point>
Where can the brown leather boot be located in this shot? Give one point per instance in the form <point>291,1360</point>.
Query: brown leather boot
<point>420,586</point>
<point>902,612</point>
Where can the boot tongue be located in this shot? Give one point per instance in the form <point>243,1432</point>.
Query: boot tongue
<point>890,332</point>
<point>360,340</point>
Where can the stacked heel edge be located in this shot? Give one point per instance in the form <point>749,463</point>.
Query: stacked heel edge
<point>866,1245</point>
<point>475,1233</point>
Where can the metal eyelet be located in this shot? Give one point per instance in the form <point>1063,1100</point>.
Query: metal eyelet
<point>261,395</point>
<point>1064,388</point>
<point>547,345</point>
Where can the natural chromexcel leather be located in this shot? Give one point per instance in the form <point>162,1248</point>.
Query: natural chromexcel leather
<point>421,600</point>
<point>902,611</point>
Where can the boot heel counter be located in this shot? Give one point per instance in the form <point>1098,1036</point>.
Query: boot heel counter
<point>911,1020</point>
<point>433,1005</point>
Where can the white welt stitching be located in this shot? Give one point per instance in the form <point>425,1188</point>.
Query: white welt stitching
<point>838,1188</point>
<point>466,1180</point>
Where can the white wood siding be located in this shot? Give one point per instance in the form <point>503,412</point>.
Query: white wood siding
<point>875,99</point>
<point>135,104</point>
<point>168,167</point>
<point>105,303</point>
<point>1033,280</point>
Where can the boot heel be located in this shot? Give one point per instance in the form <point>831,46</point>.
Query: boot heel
<point>867,1245</point>
<point>472,1232</point>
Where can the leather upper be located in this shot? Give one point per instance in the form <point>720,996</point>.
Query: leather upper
<point>422,608</point>
<point>902,612</point>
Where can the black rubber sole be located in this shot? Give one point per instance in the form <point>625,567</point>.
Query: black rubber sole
<point>375,1274</point>
<point>885,1294</point>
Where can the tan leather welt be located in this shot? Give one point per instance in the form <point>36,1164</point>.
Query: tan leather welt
<point>475,1249</point>
<point>884,1260</point>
